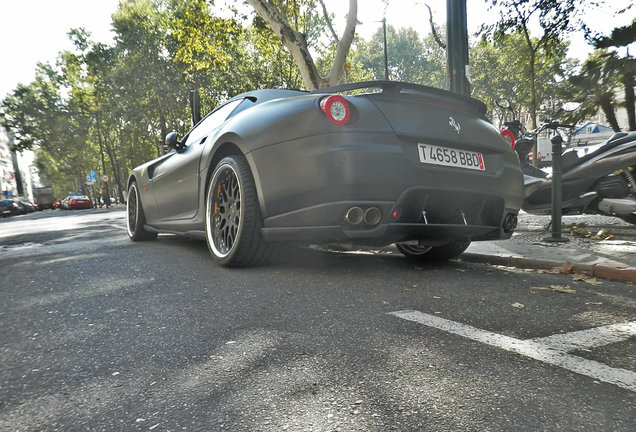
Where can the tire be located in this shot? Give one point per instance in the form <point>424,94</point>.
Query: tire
<point>135,219</point>
<point>434,253</point>
<point>232,216</point>
<point>630,219</point>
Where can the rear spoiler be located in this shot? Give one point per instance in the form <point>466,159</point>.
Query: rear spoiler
<point>399,87</point>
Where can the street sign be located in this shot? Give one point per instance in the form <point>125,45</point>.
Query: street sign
<point>90,181</point>
<point>92,174</point>
<point>105,178</point>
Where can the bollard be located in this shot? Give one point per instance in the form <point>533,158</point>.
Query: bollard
<point>556,141</point>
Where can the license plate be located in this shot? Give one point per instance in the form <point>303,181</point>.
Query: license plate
<point>435,155</point>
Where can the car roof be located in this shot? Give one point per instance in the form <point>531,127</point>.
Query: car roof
<point>260,96</point>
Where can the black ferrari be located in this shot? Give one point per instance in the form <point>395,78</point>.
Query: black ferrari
<point>370,163</point>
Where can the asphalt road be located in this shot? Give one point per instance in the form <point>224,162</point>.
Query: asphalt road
<point>103,334</point>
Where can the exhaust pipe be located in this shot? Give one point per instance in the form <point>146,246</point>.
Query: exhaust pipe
<point>354,215</point>
<point>372,216</point>
<point>510,223</point>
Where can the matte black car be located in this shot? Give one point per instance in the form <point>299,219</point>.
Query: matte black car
<point>371,163</point>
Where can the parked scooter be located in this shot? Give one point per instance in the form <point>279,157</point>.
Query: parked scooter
<point>600,182</point>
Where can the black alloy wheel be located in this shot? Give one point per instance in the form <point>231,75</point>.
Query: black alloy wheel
<point>135,219</point>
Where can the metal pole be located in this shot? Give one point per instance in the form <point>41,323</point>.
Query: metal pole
<point>556,141</point>
<point>457,46</point>
<point>386,60</point>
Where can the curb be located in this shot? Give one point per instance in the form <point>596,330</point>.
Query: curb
<point>627,274</point>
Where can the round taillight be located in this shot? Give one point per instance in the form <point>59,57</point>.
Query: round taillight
<point>336,109</point>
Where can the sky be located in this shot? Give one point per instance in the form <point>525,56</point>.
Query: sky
<point>33,31</point>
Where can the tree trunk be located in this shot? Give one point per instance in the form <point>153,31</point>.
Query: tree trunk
<point>533,105</point>
<point>628,83</point>
<point>296,43</point>
<point>606,105</point>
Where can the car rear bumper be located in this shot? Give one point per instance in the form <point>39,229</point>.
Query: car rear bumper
<point>326,176</point>
<point>481,218</point>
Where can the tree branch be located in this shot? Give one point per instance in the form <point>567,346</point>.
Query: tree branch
<point>294,41</point>
<point>342,50</point>
<point>329,23</point>
<point>433,29</point>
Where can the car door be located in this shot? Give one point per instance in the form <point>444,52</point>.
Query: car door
<point>176,180</point>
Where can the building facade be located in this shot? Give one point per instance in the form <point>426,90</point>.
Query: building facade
<point>18,173</point>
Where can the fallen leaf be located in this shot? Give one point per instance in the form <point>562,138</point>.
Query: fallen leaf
<point>565,268</point>
<point>593,281</point>
<point>564,289</point>
<point>437,297</point>
<point>594,303</point>
<point>540,288</point>
<point>517,306</point>
<point>385,302</point>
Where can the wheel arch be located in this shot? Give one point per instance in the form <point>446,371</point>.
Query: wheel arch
<point>131,178</point>
<point>223,150</point>
<point>231,144</point>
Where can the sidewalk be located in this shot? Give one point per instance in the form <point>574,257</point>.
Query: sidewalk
<point>612,258</point>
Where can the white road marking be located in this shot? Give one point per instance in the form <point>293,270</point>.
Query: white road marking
<point>550,352</point>
<point>591,338</point>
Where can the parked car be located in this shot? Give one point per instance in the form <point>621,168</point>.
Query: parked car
<point>76,202</point>
<point>371,163</point>
<point>8,208</point>
<point>28,205</point>
<point>11,207</point>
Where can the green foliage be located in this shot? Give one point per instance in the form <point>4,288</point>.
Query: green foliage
<point>108,107</point>
<point>500,70</point>
<point>410,58</point>
<point>594,87</point>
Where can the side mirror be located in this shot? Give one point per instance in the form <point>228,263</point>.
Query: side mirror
<point>570,106</point>
<point>171,141</point>
<point>502,103</point>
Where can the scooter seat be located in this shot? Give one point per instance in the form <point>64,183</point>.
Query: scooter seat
<point>613,141</point>
<point>569,159</point>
